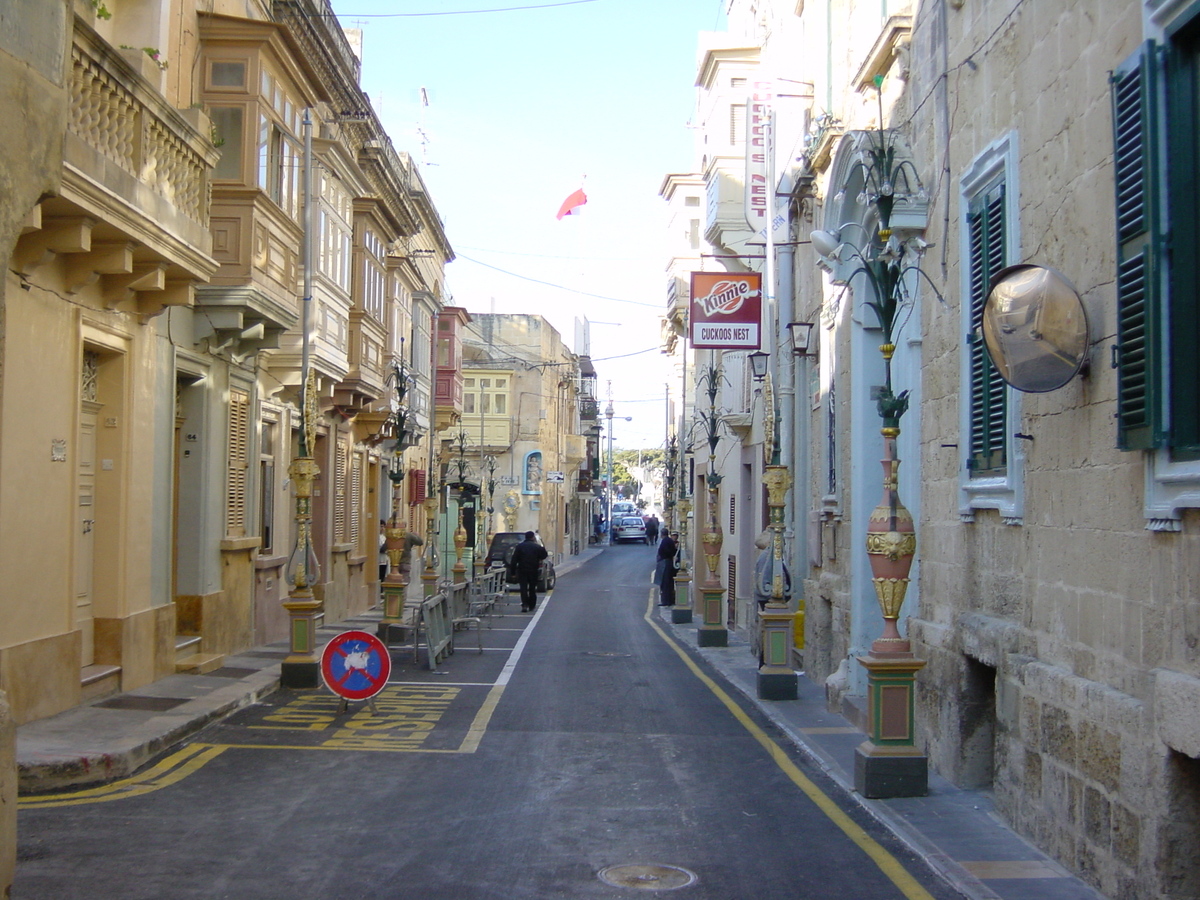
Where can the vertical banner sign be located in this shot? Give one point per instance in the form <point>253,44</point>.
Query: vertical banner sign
<point>759,200</point>
<point>726,310</point>
<point>758,128</point>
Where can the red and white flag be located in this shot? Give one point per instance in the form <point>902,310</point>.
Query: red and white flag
<point>572,204</point>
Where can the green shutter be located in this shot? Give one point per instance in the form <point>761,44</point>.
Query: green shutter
<point>989,393</point>
<point>1183,218</point>
<point>1134,86</point>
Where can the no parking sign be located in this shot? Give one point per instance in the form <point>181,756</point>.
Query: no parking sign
<point>356,665</point>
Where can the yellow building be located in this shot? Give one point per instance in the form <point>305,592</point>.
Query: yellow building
<point>155,316</point>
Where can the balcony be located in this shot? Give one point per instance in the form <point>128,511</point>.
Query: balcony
<point>133,214</point>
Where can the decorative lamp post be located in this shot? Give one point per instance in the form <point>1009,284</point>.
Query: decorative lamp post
<point>429,574</point>
<point>608,414</point>
<point>888,764</point>
<point>489,465</point>
<point>300,669</point>
<point>712,631</point>
<point>459,445</point>
<point>398,543</point>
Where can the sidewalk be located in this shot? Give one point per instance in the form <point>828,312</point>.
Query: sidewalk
<point>956,831</point>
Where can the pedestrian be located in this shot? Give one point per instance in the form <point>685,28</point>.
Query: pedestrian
<point>526,563</point>
<point>666,569</point>
<point>384,562</point>
<point>652,530</point>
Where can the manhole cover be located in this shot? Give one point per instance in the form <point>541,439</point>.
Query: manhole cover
<point>651,877</point>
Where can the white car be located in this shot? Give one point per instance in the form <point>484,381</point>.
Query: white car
<point>629,528</point>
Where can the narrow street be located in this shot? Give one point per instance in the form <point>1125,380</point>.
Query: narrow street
<point>578,755</point>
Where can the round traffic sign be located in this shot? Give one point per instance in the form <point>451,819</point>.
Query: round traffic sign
<point>356,665</point>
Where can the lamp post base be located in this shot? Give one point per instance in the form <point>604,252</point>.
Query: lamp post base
<point>778,685</point>
<point>300,674</point>
<point>884,772</point>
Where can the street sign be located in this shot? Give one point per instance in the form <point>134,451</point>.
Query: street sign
<point>555,478</point>
<point>356,665</point>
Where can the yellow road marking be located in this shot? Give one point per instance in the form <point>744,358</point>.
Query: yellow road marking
<point>888,864</point>
<point>167,771</point>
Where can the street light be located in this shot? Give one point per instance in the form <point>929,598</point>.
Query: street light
<point>608,414</point>
<point>888,764</point>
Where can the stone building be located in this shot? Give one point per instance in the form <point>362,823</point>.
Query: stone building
<point>169,303</point>
<point>33,63</point>
<point>1053,595</point>
<point>530,404</point>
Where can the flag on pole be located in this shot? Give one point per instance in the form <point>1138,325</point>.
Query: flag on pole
<point>572,203</point>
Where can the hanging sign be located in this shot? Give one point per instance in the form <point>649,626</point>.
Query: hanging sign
<point>726,310</point>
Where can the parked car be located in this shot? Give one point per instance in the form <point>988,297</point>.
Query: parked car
<point>629,528</point>
<point>623,508</point>
<point>500,552</point>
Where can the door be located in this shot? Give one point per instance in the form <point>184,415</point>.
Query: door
<point>86,525</point>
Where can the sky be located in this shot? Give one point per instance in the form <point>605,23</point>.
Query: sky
<point>529,100</point>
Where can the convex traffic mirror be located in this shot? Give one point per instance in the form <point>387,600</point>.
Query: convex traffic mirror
<point>1035,328</point>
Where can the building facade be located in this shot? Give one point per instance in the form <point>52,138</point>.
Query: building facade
<point>177,279</point>
<point>1053,591</point>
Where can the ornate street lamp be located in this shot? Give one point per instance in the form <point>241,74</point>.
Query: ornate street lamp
<point>712,631</point>
<point>888,764</point>
<point>462,468</point>
<point>398,543</point>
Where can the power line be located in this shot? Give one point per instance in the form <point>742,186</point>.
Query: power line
<point>463,12</point>
<point>558,286</point>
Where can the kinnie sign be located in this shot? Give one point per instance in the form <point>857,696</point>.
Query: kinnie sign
<point>726,310</point>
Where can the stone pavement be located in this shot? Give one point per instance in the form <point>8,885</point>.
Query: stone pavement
<point>957,831</point>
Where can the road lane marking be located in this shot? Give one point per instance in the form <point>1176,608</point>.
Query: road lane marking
<point>406,718</point>
<point>888,864</point>
<point>167,771</point>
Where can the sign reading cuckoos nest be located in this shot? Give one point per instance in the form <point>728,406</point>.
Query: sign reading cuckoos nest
<point>726,310</point>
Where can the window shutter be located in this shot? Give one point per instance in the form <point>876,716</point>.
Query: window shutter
<point>1181,224</point>
<point>989,393</point>
<point>238,456</point>
<point>1134,86</point>
<point>339,491</point>
<point>416,482</point>
<point>355,511</point>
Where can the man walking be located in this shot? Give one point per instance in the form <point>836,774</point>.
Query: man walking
<point>526,562</point>
<point>665,570</point>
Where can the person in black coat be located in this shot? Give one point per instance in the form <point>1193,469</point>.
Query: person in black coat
<point>526,563</point>
<point>665,570</point>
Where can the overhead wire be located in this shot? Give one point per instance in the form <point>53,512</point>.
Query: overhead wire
<point>463,12</point>
<point>558,286</point>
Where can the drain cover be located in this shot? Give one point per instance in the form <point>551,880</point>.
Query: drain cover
<point>650,877</point>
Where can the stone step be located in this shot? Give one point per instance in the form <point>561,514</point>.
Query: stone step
<point>186,645</point>
<point>199,663</point>
<point>99,681</point>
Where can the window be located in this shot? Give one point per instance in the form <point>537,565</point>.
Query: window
<point>373,274</point>
<point>1156,120</point>
<point>266,486</point>
<point>988,396</point>
<point>238,465</point>
<point>227,74</point>
<point>227,123</point>
<point>737,124</point>
<point>991,474</point>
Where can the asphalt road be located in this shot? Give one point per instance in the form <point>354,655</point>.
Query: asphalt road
<point>582,754</point>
